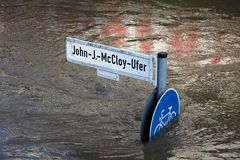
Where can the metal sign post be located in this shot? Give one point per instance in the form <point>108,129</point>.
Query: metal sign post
<point>162,73</point>
<point>163,104</point>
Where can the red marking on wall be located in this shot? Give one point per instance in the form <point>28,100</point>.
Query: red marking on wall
<point>216,60</point>
<point>146,46</point>
<point>116,31</point>
<point>183,44</point>
<point>144,30</point>
<point>119,42</point>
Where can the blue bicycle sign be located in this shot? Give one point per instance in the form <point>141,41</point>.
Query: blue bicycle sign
<point>167,109</point>
<point>164,119</point>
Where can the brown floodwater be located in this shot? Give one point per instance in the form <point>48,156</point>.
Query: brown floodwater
<point>52,109</point>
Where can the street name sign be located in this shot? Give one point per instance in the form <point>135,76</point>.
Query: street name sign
<point>163,105</point>
<point>111,62</point>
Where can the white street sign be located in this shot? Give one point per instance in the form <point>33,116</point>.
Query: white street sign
<point>111,62</point>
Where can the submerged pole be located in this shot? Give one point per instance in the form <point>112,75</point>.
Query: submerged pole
<point>162,73</point>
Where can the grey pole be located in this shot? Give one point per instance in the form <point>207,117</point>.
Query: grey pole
<point>161,73</point>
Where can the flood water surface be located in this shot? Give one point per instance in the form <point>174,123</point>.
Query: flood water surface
<point>53,109</point>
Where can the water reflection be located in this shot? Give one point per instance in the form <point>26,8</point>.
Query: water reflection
<point>162,147</point>
<point>229,6</point>
<point>53,109</point>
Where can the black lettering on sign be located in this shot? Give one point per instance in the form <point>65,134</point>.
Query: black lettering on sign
<point>109,59</point>
<point>73,50</point>
<point>79,52</point>
<point>103,56</point>
<point>113,57</point>
<point>135,64</point>
<point>144,67</point>
<point>94,55</point>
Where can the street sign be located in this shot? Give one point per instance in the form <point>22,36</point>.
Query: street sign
<point>111,62</point>
<point>166,110</point>
<point>162,105</point>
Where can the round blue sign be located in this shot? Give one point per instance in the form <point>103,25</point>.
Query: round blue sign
<point>167,109</point>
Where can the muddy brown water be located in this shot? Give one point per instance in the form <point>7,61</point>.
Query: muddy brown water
<point>52,109</point>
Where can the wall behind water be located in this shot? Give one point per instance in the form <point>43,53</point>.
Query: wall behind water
<point>53,109</point>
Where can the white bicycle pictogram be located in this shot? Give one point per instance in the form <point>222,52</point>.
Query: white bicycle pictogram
<point>170,115</point>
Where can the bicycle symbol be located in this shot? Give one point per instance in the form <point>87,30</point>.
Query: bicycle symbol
<point>167,117</point>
